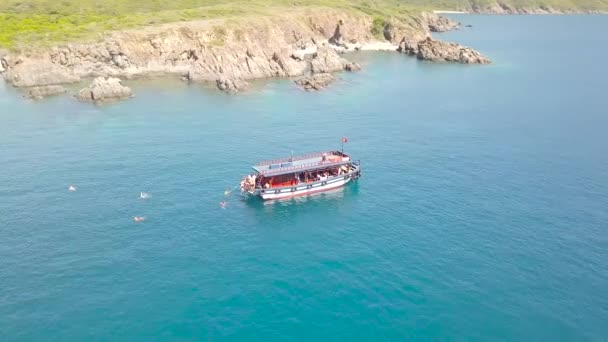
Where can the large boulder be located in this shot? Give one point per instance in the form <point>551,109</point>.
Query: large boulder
<point>408,46</point>
<point>337,38</point>
<point>105,89</point>
<point>288,66</point>
<point>231,85</point>
<point>437,23</point>
<point>439,51</point>
<point>327,60</point>
<point>396,31</point>
<point>38,93</point>
<point>199,74</point>
<point>352,66</point>
<point>315,81</point>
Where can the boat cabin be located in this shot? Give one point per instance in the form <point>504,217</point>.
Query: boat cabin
<point>301,169</point>
<point>296,175</point>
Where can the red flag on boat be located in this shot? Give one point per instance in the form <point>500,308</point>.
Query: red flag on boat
<point>344,140</point>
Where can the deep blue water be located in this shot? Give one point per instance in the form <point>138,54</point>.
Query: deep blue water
<point>481,215</point>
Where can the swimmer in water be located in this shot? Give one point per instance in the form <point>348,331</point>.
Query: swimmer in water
<point>138,218</point>
<point>72,188</point>
<point>223,204</point>
<point>144,195</point>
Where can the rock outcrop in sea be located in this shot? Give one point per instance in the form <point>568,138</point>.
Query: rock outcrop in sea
<point>439,51</point>
<point>231,85</point>
<point>40,92</point>
<point>230,53</point>
<point>352,67</point>
<point>315,81</point>
<point>104,89</point>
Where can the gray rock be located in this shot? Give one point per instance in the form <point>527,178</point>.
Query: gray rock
<point>336,38</point>
<point>288,65</point>
<point>327,60</point>
<point>38,93</point>
<point>231,85</point>
<point>104,89</point>
<point>315,81</point>
<point>120,60</point>
<point>304,44</point>
<point>352,66</point>
<point>39,74</point>
<point>405,37</point>
<point>437,23</point>
<point>198,74</point>
<point>438,51</point>
<point>408,46</point>
<point>389,32</point>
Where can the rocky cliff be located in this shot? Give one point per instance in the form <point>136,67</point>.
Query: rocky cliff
<point>227,52</point>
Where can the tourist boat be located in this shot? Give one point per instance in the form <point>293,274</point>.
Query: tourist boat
<point>301,175</point>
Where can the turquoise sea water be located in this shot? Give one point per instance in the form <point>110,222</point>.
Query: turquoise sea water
<point>481,214</point>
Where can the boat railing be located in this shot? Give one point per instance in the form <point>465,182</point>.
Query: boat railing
<point>293,158</point>
<point>301,167</point>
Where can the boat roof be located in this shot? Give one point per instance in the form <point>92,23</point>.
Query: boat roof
<point>312,161</point>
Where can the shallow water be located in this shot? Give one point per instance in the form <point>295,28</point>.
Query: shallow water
<point>481,213</point>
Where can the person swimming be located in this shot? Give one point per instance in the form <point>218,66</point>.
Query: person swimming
<point>72,188</point>
<point>138,218</point>
<point>223,204</point>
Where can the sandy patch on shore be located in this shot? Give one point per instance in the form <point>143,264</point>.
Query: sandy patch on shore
<point>449,12</point>
<point>378,46</point>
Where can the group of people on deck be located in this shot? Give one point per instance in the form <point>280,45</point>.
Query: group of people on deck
<point>303,177</point>
<point>248,183</point>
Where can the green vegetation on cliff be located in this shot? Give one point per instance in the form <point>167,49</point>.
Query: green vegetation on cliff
<point>44,22</point>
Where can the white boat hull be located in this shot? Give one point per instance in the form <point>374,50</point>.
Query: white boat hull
<point>304,189</point>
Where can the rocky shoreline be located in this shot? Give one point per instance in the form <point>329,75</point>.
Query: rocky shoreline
<point>303,44</point>
<point>502,8</point>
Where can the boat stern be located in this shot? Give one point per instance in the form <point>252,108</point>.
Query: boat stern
<point>248,184</point>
